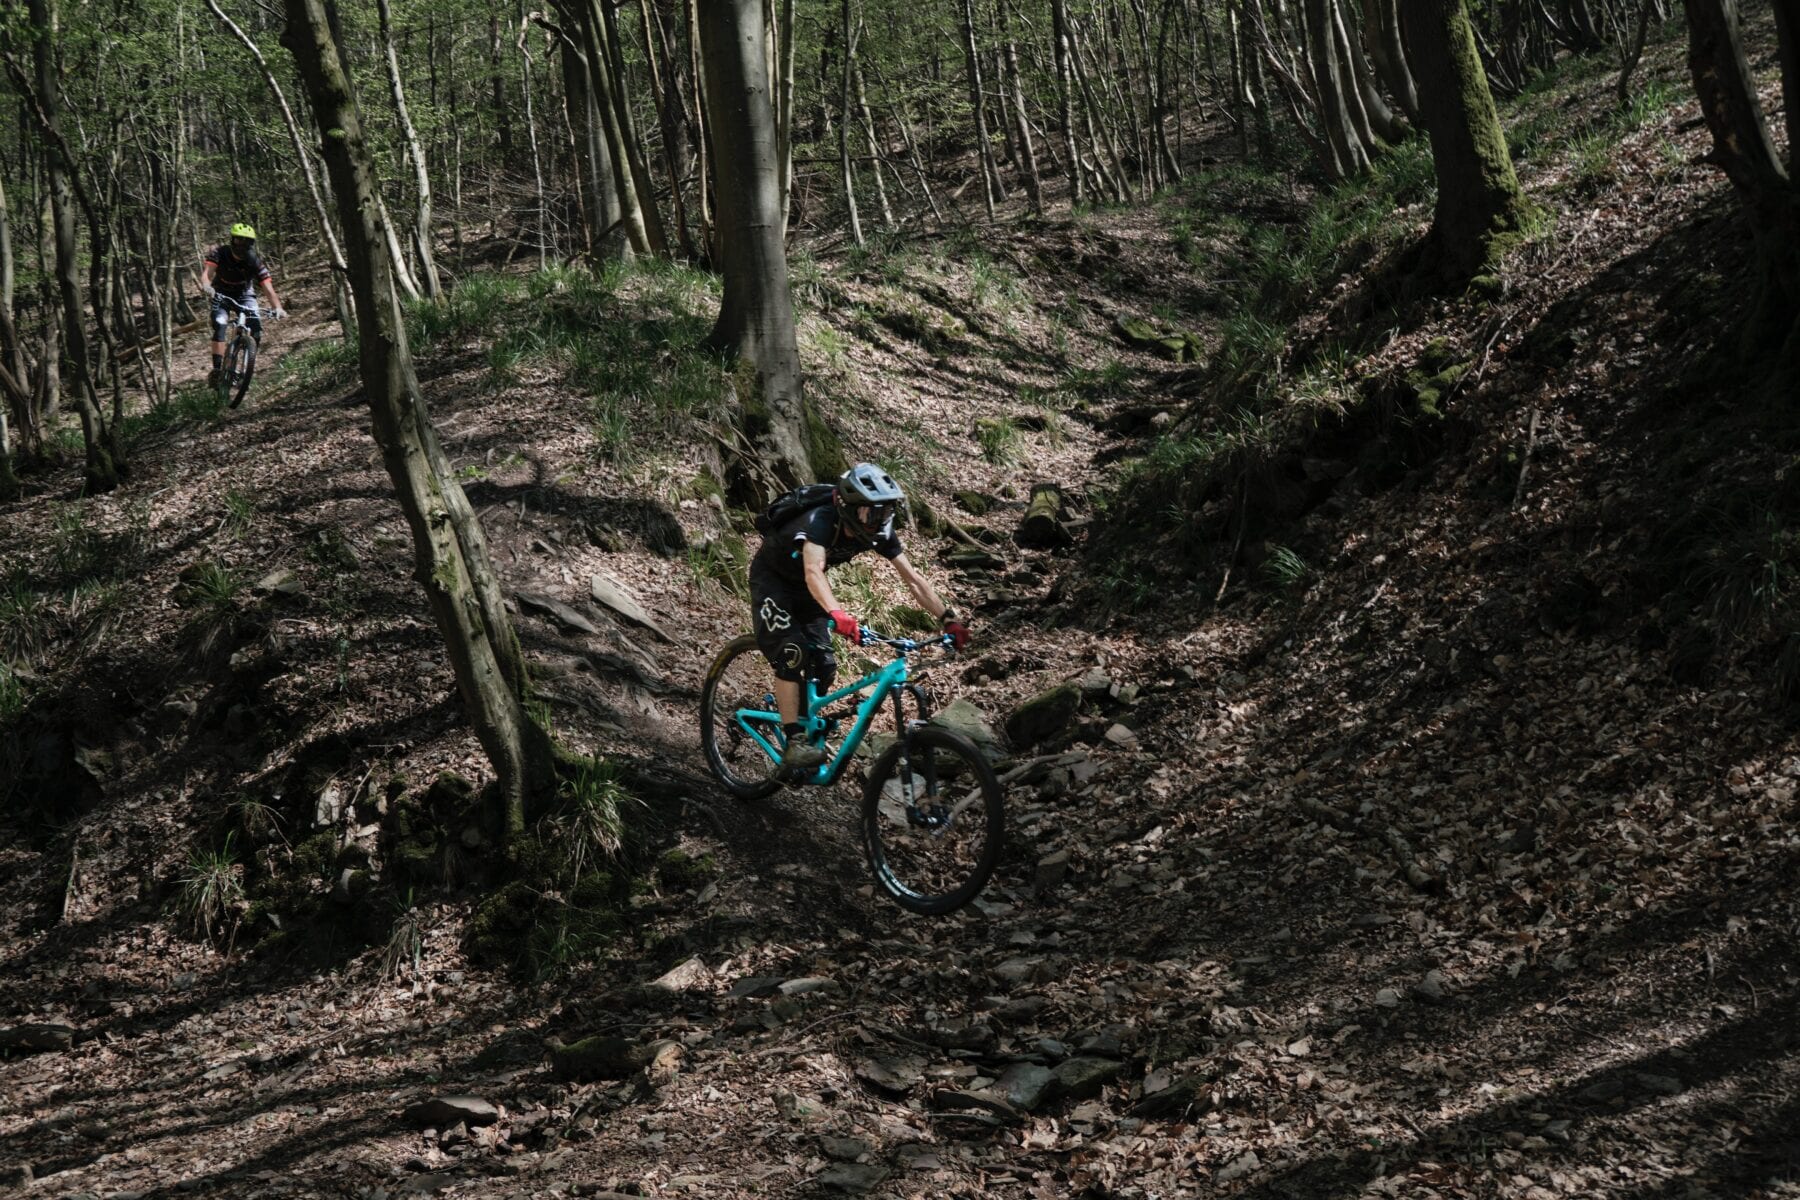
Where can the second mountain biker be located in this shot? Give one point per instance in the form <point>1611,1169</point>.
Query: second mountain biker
<point>234,270</point>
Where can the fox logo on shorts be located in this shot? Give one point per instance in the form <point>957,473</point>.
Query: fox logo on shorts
<point>774,617</point>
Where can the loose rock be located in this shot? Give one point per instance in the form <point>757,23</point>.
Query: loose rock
<point>444,1111</point>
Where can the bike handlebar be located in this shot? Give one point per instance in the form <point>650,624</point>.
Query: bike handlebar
<point>274,314</point>
<point>868,637</point>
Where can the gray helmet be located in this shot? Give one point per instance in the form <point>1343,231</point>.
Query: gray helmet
<point>868,486</point>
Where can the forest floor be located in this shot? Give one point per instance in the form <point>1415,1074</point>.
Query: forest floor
<point>1452,861</point>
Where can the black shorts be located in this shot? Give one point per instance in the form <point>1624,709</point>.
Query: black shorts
<point>792,631</point>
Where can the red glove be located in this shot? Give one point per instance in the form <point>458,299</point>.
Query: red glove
<point>845,624</point>
<point>958,631</point>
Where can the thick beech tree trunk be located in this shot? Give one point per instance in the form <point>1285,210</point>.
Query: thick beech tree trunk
<point>1381,37</point>
<point>1478,198</point>
<point>450,553</point>
<point>1743,148</point>
<point>784,443</point>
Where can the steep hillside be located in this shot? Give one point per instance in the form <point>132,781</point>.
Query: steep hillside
<point>1426,826</point>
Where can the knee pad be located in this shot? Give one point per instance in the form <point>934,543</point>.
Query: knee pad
<point>789,661</point>
<point>218,325</point>
<point>822,665</point>
<point>255,331</point>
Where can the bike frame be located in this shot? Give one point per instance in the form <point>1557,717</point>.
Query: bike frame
<point>880,684</point>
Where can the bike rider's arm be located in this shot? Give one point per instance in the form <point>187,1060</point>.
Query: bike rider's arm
<point>206,277</point>
<point>812,559</point>
<point>919,585</point>
<point>268,287</point>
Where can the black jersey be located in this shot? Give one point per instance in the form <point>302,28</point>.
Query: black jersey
<point>781,550</point>
<point>235,276</point>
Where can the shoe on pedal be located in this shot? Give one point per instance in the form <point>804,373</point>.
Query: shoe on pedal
<point>800,757</point>
<point>212,378</point>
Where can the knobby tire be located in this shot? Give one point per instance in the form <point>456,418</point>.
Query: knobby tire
<point>949,765</point>
<point>737,762</point>
<point>245,369</point>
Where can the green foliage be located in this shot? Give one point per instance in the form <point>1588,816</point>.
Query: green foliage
<point>874,599</point>
<point>240,510</point>
<point>591,824</point>
<point>1285,569</point>
<point>25,617</point>
<point>1127,584</point>
<point>723,561</point>
<point>1744,565</point>
<point>1106,382</point>
<point>471,307</point>
<point>1651,102</point>
<point>404,954</point>
<point>641,361</point>
<point>12,695</point>
<point>213,587</point>
<point>259,822</point>
<point>211,888</point>
<point>321,366</point>
<point>195,404</point>
<point>1590,156</point>
<point>999,439</point>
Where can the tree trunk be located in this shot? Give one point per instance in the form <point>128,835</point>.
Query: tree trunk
<point>1331,86</point>
<point>1743,148</point>
<point>537,162</point>
<point>1381,37</point>
<point>1478,198</point>
<point>875,155</point>
<point>1382,123</point>
<point>991,188</point>
<point>784,110</point>
<point>605,236</point>
<point>844,126</point>
<point>422,239</point>
<point>450,552</point>
<point>103,468</point>
<point>784,443</point>
<point>630,145</point>
<point>665,89</point>
<point>1034,184</point>
<point>1065,88</point>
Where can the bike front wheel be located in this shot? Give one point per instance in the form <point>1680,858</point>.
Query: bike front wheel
<point>239,368</point>
<point>740,681</point>
<point>932,820</point>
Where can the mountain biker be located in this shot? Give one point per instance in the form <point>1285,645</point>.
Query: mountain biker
<point>231,272</point>
<point>792,608</point>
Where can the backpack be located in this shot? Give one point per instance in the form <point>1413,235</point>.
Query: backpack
<point>789,505</point>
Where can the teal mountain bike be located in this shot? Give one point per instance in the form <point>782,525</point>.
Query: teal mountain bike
<point>932,819</point>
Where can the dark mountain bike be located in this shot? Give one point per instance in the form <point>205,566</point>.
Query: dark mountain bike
<point>932,818</point>
<point>240,355</point>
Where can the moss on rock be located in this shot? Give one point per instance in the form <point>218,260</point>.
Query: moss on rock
<point>679,871</point>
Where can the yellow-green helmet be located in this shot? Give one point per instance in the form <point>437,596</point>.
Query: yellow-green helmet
<point>244,229</point>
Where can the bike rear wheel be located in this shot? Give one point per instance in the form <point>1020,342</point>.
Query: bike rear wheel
<point>740,678</point>
<point>934,845</point>
<point>240,366</point>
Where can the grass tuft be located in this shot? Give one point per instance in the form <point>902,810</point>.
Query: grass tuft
<point>211,889</point>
